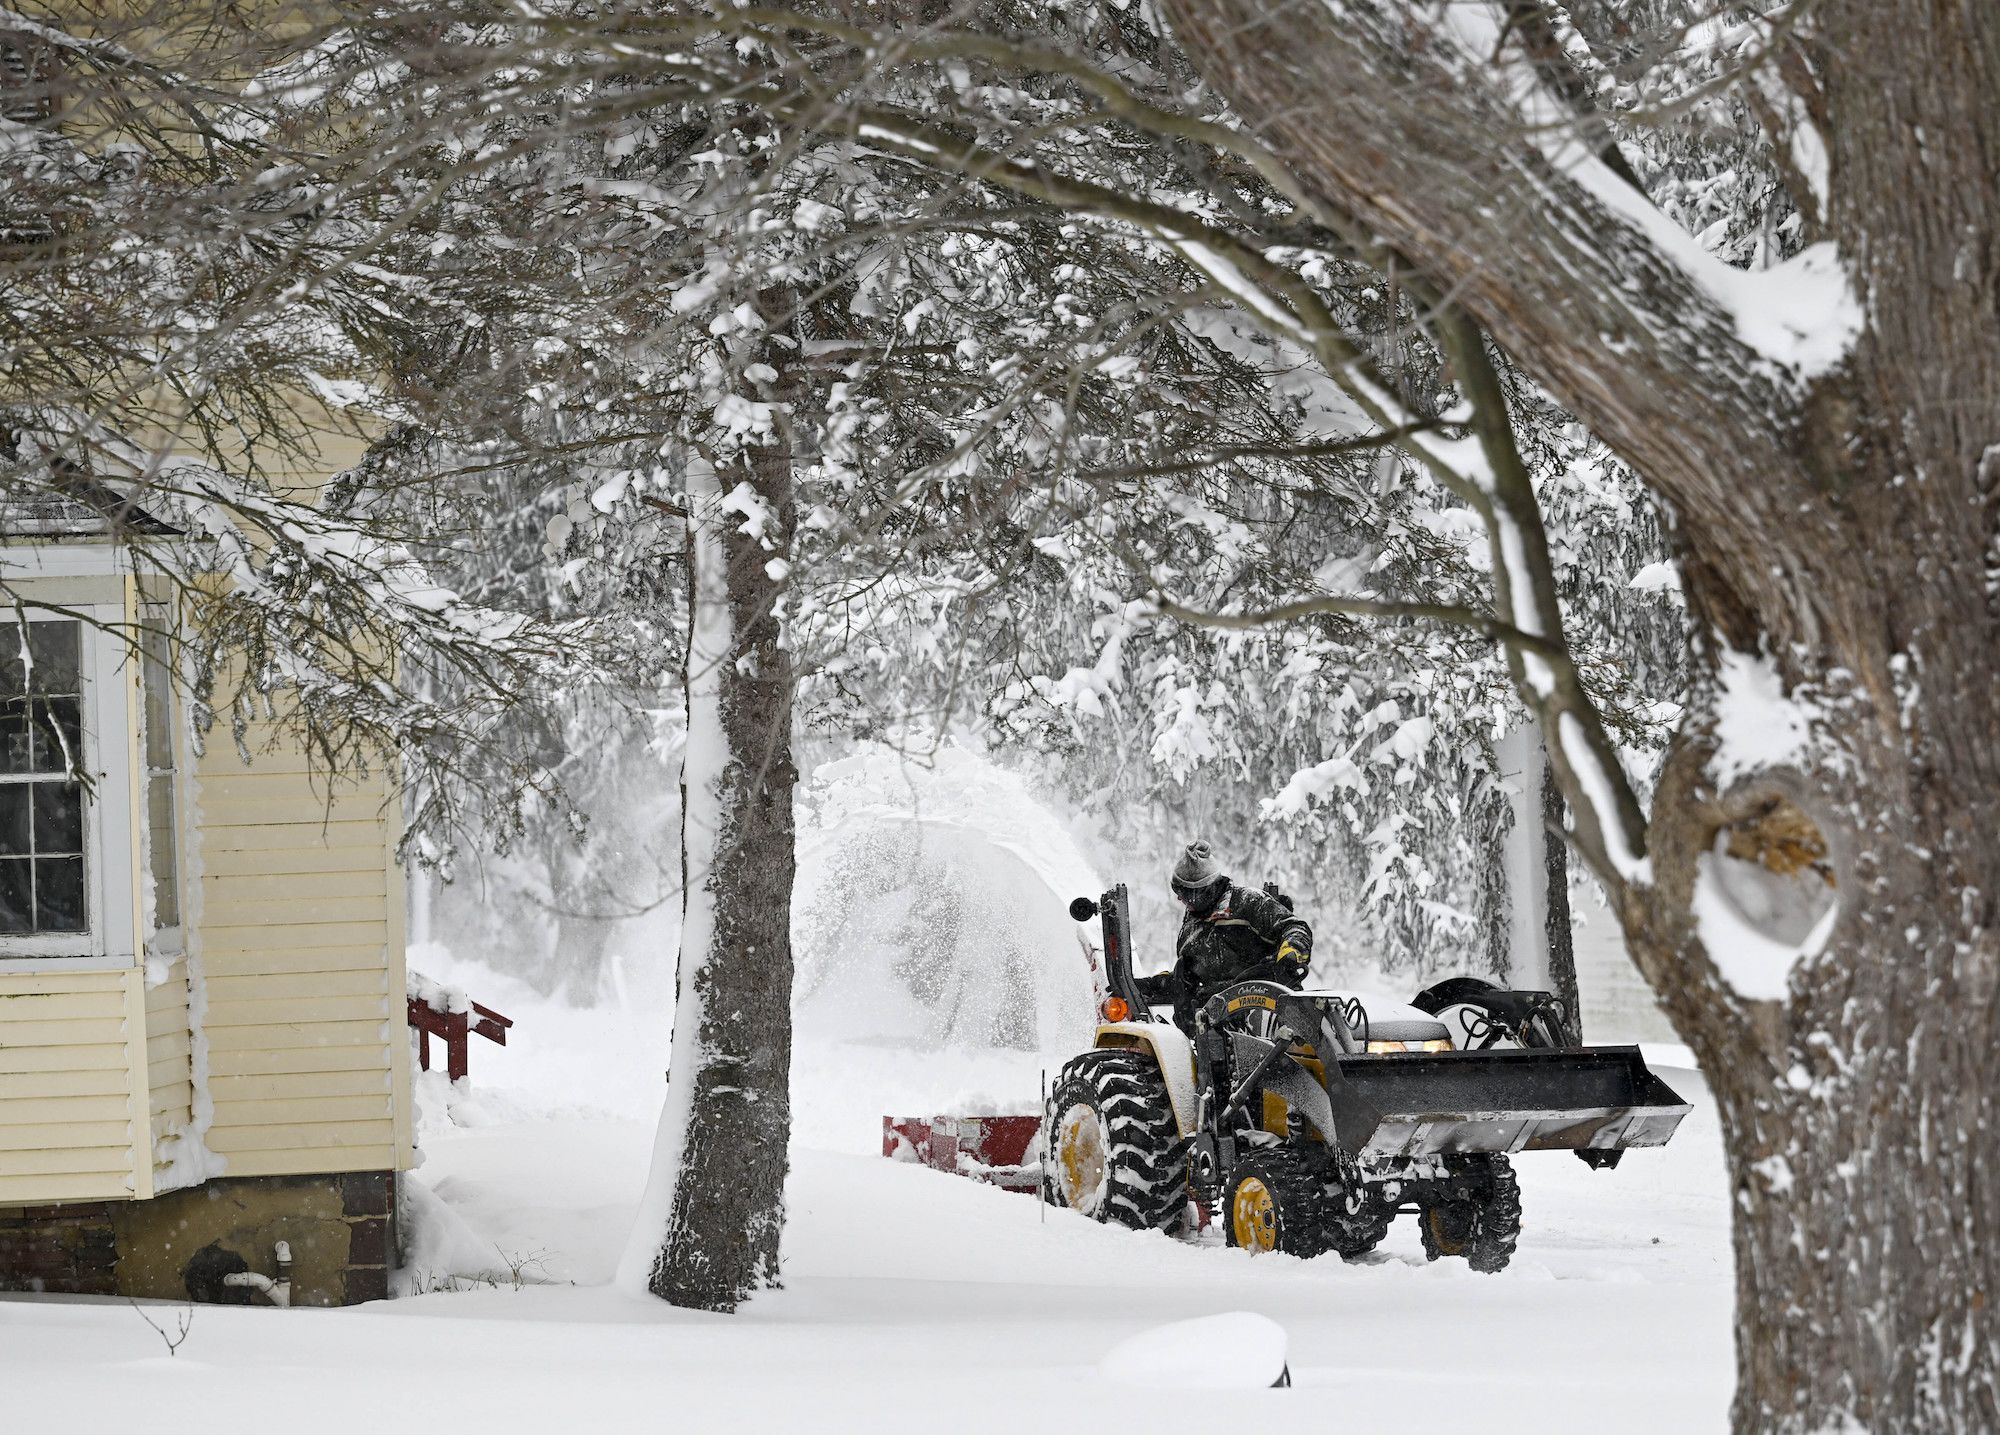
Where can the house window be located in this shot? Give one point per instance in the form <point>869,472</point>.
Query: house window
<point>43,884</point>
<point>162,827</point>
<point>27,76</point>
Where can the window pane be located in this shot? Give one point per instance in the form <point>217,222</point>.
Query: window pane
<point>58,817</point>
<point>55,648</point>
<point>59,894</point>
<point>161,834</point>
<point>14,807</point>
<point>58,724</point>
<point>13,673</point>
<point>16,896</point>
<point>42,878</point>
<point>155,679</point>
<point>14,741</point>
<point>53,652</point>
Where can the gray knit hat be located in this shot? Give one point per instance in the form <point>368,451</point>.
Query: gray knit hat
<point>1197,867</point>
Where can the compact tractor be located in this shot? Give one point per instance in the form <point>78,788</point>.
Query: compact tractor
<point>1309,1120</point>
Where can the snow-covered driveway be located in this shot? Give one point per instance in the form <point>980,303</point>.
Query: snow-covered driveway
<point>917,1301</point>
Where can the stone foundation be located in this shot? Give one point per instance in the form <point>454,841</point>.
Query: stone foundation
<point>342,1231</point>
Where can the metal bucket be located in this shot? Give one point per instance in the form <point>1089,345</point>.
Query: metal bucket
<point>1581,1099</point>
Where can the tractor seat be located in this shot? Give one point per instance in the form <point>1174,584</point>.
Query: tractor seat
<point>1389,1019</point>
<point>1424,1028</point>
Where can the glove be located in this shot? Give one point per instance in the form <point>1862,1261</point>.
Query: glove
<point>1157,990</point>
<point>1293,959</point>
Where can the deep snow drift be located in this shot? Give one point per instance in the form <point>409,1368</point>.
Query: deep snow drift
<point>914,1301</point>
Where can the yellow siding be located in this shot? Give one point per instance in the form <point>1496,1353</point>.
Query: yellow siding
<point>19,1058</point>
<point>263,1053</point>
<point>405,1141</point>
<point>280,1086</point>
<point>250,859</point>
<point>69,1043</point>
<point>300,946</point>
<point>23,1031</point>
<point>234,991</point>
<point>263,936</point>
<point>292,1133</point>
<point>169,1064</point>
<point>91,1081</point>
<point>248,889</point>
<point>296,959</point>
<point>315,1159</point>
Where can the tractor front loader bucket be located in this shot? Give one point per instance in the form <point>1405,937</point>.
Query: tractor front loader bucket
<point>1594,1100</point>
<point>1584,1099</point>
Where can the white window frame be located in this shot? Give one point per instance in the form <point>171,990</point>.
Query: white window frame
<point>108,940</point>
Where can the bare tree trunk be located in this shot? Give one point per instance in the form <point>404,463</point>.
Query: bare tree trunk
<point>717,1188</point>
<point>1837,530</point>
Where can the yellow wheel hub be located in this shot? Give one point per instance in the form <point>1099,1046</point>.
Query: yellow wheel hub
<point>1083,1160</point>
<point>1253,1216</point>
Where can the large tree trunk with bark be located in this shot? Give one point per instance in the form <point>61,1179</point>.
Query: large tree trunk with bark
<point>1836,524</point>
<point>709,1228</point>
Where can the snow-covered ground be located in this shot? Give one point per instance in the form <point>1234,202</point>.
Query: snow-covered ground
<point>913,1301</point>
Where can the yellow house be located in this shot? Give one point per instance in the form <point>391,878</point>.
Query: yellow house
<point>203,1045</point>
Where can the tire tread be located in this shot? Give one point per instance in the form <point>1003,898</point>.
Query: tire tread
<point>1148,1187</point>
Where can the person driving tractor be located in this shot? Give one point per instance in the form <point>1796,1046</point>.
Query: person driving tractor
<point>1228,934</point>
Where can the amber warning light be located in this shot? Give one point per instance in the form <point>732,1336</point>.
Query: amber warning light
<point>1116,1009</point>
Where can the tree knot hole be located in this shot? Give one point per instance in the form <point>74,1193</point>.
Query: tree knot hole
<point>1773,865</point>
<point>1779,837</point>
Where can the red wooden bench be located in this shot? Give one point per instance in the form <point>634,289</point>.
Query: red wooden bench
<point>456,1029</point>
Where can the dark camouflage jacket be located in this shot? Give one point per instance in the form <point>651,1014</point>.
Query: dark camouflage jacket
<point>1237,940</point>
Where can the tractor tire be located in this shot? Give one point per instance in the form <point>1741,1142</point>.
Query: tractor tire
<point>1113,1143</point>
<point>1482,1228</point>
<point>1273,1201</point>
<point>1356,1226</point>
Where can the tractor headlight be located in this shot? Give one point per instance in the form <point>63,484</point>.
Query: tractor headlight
<point>1379,1046</point>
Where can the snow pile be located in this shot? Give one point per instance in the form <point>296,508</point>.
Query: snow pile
<point>441,1106</point>
<point>1801,314</point>
<point>436,995</point>
<point>440,1249</point>
<point>1661,577</point>
<point>1757,727</point>
<point>1237,1351</point>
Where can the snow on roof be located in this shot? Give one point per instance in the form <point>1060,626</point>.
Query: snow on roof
<point>85,508</point>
